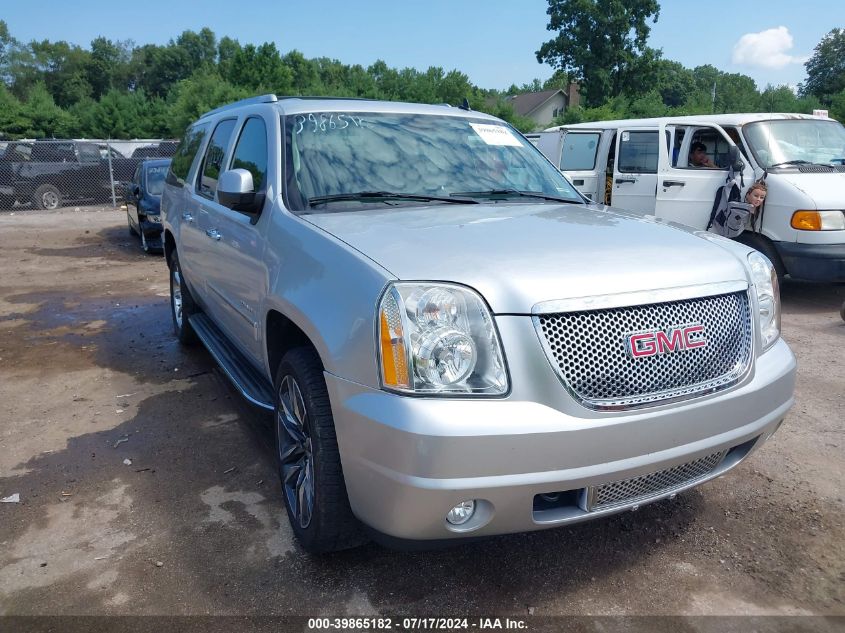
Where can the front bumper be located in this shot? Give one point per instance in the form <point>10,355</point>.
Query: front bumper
<point>813,262</point>
<point>408,460</point>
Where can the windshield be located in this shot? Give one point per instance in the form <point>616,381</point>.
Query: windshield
<point>796,141</point>
<point>342,161</point>
<point>155,179</point>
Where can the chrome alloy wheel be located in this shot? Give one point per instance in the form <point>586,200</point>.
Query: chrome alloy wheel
<point>176,293</point>
<point>50,200</point>
<point>295,452</point>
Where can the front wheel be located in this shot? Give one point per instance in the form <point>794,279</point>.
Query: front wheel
<point>132,230</point>
<point>145,246</point>
<point>308,458</point>
<point>182,304</point>
<point>47,197</point>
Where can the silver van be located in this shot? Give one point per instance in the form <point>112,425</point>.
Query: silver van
<point>453,341</point>
<point>801,227</point>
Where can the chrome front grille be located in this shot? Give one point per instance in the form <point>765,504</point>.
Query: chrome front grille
<point>589,353</point>
<point>644,487</point>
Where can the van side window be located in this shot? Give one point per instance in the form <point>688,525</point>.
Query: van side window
<point>717,147</point>
<point>185,154</point>
<point>579,151</point>
<point>638,152</point>
<point>213,160</point>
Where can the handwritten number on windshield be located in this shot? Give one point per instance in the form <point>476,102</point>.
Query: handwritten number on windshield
<point>325,122</point>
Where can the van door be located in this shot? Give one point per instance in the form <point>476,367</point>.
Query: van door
<point>635,169</point>
<point>685,193</point>
<point>578,160</point>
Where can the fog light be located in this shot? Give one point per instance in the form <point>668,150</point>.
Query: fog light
<point>461,513</point>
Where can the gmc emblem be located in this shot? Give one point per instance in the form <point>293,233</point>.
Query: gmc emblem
<point>672,339</point>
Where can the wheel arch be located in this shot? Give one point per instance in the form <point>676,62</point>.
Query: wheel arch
<point>281,335</point>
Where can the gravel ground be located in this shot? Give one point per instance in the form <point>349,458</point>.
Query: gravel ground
<point>147,486</point>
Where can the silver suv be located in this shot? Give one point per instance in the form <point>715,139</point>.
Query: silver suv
<point>454,342</point>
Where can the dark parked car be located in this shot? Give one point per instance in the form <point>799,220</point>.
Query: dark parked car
<point>50,173</point>
<point>165,149</point>
<point>143,199</point>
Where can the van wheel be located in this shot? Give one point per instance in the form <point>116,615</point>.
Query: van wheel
<point>764,245</point>
<point>47,197</point>
<point>182,304</point>
<point>308,459</point>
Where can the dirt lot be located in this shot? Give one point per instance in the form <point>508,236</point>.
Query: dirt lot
<point>147,486</point>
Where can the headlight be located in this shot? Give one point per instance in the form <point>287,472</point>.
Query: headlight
<point>765,282</point>
<point>818,220</point>
<point>154,218</point>
<point>438,339</point>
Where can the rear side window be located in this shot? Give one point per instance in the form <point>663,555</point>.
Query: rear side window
<point>185,154</point>
<point>579,151</point>
<point>251,151</point>
<point>88,153</point>
<point>638,152</point>
<point>213,161</point>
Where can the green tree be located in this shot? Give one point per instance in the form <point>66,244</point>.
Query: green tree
<point>43,118</point>
<point>198,94</point>
<point>674,82</point>
<point>826,68</point>
<point>12,122</point>
<point>837,106</point>
<point>260,68</point>
<point>598,43</point>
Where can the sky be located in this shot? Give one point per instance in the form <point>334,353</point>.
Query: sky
<point>491,41</point>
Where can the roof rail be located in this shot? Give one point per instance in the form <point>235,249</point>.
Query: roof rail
<point>270,98</point>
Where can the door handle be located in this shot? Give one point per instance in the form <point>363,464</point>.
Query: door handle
<point>673,183</point>
<point>214,234</point>
<point>187,217</point>
<point>621,180</point>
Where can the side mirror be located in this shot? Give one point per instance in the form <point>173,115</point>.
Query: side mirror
<point>735,157</point>
<point>136,191</point>
<point>236,191</point>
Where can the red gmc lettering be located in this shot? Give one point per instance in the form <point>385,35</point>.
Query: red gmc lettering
<point>666,344</point>
<point>662,342</point>
<point>642,345</point>
<point>689,331</point>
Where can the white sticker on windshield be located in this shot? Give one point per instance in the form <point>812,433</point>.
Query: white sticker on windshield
<point>495,134</point>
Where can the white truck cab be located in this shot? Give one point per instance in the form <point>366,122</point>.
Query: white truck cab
<point>643,165</point>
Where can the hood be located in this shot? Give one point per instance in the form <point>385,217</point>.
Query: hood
<point>518,255</point>
<point>826,190</point>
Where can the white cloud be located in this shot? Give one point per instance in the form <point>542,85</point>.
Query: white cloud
<point>767,49</point>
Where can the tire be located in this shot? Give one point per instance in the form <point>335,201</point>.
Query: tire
<point>144,246</point>
<point>47,197</point>
<point>7,202</point>
<point>182,304</point>
<point>132,230</point>
<point>764,245</point>
<point>308,460</point>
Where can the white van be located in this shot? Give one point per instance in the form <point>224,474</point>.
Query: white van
<point>801,227</point>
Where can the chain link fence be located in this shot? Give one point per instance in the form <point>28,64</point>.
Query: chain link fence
<point>49,174</point>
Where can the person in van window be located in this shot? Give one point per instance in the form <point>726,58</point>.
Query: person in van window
<point>698,156</point>
<point>756,195</point>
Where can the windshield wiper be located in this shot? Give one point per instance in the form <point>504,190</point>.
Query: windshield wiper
<point>514,193</point>
<point>378,196</point>
<point>786,163</point>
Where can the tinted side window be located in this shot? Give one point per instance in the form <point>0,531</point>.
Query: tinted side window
<point>88,153</point>
<point>213,161</point>
<point>251,151</point>
<point>638,152</point>
<point>185,153</point>
<point>579,151</point>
